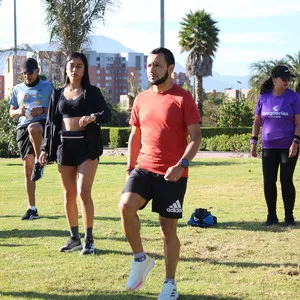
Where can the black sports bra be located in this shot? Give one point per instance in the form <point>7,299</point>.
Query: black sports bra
<point>72,108</point>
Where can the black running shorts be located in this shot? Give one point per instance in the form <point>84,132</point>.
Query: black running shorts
<point>23,141</point>
<point>167,197</point>
<point>73,150</point>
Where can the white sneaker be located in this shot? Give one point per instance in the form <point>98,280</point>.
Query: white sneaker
<point>168,292</point>
<point>138,273</point>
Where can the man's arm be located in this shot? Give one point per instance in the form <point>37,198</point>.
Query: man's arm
<point>194,144</point>
<point>134,146</point>
<point>174,173</point>
<point>15,112</point>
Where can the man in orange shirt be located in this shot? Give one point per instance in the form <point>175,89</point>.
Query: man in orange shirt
<point>162,118</point>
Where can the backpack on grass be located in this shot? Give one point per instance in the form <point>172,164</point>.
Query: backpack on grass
<point>201,217</point>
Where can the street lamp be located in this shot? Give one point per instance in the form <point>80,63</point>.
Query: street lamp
<point>15,66</point>
<point>162,23</point>
<point>240,91</point>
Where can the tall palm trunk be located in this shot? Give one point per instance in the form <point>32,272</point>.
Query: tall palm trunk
<point>199,93</point>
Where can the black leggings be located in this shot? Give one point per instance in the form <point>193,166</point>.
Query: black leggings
<point>271,159</point>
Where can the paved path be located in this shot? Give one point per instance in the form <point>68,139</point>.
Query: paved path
<point>200,154</point>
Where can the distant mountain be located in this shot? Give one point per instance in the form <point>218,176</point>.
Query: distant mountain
<point>107,45</point>
<point>221,82</point>
<point>104,44</point>
<point>97,43</point>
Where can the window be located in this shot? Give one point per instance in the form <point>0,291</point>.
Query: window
<point>98,59</point>
<point>138,62</point>
<point>98,71</point>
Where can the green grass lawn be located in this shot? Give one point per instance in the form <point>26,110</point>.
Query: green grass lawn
<point>239,258</point>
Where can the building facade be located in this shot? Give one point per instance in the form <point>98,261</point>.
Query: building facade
<point>117,72</point>
<point>2,85</point>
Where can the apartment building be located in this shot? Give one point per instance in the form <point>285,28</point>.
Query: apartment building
<point>116,72</point>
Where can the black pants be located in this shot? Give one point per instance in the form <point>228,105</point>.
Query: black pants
<point>271,160</point>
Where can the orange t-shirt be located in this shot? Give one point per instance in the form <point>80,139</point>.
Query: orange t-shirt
<point>163,119</point>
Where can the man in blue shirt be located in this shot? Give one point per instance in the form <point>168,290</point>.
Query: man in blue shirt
<point>29,102</point>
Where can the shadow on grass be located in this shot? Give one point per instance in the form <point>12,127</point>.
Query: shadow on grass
<point>32,233</point>
<point>107,295</point>
<point>236,264</point>
<point>251,226</point>
<point>113,163</point>
<point>41,217</point>
<point>225,162</point>
<point>144,222</point>
<point>241,225</point>
<point>14,164</point>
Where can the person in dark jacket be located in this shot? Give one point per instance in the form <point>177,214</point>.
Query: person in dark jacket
<point>73,139</point>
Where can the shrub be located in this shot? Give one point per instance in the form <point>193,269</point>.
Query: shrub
<point>105,135</point>
<point>237,142</point>
<point>119,136</point>
<point>8,125</point>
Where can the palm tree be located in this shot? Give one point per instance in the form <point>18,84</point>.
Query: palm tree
<point>294,65</point>
<point>261,72</point>
<point>199,36</point>
<point>70,22</point>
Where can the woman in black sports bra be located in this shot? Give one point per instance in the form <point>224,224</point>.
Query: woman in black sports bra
<point>73,139</point>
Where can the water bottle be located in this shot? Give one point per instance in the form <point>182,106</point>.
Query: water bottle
<point>28,113</point>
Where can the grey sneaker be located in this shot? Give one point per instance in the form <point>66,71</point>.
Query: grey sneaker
<point>88,247</point>
<point>38,172</point>
<point>72,244</point>
<point>30,214</point>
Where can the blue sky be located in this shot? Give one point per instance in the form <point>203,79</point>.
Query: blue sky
<point>250,31</point>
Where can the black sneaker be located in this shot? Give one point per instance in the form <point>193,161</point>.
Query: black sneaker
<point>289,221</point>
<point>72,244</point>
<point>38,172</point>
<point>88,247</point>
<point>31,214</point>
<point>271,220</point>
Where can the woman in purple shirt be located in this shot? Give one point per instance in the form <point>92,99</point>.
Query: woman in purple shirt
<point>278,113</point>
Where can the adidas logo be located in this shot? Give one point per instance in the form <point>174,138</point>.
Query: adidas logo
<point>175,207</point>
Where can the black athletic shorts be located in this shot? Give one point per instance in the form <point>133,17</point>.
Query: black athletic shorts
<point>167,197</point>
<point>23,141</point>
<point>73,150</point>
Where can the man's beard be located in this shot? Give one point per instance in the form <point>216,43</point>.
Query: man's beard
<point>161,80</point>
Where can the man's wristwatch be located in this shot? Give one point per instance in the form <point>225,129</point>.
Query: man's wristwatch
<point>184,162</point>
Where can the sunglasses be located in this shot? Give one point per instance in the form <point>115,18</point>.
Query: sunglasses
<point>285,79</point>
<point>28,73</point>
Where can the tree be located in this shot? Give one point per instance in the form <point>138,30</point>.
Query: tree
<point>235,114</point>
<point>294,65</point>
<point>70,22</point>
<point>262,71</point>
<point>199,36</point>
<point>8,127</point>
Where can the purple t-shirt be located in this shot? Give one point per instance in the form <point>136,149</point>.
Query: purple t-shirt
<point>278,118</point>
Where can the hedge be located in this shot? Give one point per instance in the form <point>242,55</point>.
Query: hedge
<point>214,139</point>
